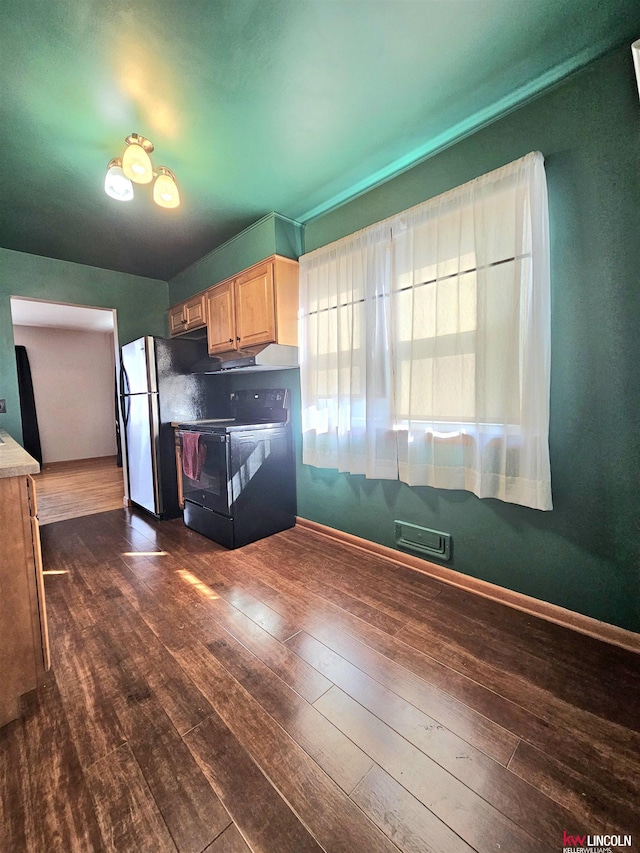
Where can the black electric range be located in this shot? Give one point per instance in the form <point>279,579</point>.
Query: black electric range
<point>238,473</point>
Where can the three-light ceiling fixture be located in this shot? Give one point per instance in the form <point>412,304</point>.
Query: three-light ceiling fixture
<point>134,167</point>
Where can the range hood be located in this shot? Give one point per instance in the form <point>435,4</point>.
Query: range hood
<point>270,357</point>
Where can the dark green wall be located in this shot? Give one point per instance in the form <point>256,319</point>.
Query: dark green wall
<point>585,554</point>
<point>141,304</point>
<point>273,234</point>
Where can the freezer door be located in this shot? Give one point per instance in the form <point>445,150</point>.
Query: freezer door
<point>142,438</point>
<point>139,367</point>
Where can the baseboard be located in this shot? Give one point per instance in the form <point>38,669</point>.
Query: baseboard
<point>519,601</point>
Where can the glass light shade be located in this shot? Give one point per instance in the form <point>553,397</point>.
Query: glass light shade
<point>117,185</point>
<point>635,50</point>
<point>165,190</point>
<point>136,164</point>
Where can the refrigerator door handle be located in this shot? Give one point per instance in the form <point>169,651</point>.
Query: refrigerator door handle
<point>124,391</point>
<point>152,374</point>
<point>124,379</point>
<point>155,447</point>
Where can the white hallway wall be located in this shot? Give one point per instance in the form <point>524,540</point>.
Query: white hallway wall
<point>73,384</point>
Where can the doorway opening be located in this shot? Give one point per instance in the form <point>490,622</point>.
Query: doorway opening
<point>73,352</point>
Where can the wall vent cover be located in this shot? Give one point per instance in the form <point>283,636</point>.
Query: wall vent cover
<point>413,537</point>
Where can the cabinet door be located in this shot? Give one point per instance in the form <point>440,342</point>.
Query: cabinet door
<point>194,313</point>
<point>221,334</point>
<point>255,307</point>
<point>176,320</point>
<point>37,559</point>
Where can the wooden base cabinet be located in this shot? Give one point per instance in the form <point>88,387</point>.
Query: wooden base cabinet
<point>24,643</point>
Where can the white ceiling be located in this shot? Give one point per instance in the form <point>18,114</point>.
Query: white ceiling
<point>56,315</point>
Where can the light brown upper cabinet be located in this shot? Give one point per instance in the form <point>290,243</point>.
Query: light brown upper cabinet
<point>257,307</point>
<point>187,316</point>
<point>221,325</point>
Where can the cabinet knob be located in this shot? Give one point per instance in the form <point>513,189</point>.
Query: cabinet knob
<point>238,338</point>
<point>230,340</point>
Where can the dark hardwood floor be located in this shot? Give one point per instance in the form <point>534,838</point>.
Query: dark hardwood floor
<point>299,695</point>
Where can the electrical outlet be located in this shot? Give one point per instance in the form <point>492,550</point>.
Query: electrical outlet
<point>3,407</point>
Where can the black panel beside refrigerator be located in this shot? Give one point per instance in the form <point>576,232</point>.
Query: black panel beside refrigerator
<point>157,388</point>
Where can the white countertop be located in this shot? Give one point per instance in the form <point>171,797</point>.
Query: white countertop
<point>14,459</point>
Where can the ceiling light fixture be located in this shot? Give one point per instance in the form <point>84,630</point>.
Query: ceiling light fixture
<point>116,183</point>
<point>136,163</point>
<point>635,51</point>
<point>135,167</point>
<point>165,189</point>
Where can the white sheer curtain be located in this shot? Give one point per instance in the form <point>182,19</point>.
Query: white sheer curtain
<point>348,409</point>
<point>425,343</point>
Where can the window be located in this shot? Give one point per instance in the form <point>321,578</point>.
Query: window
<point>425,343</point>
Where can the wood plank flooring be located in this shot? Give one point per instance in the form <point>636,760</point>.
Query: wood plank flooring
<point>78,487</point>
<point>299,695</point>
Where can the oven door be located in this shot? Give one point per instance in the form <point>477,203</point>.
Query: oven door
<point>209,486</point>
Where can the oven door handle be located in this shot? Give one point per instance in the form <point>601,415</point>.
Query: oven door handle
<point>209,436</point>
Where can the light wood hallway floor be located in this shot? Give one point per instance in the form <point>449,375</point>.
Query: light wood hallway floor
<point>79,487</point>
<point>300,696</point>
